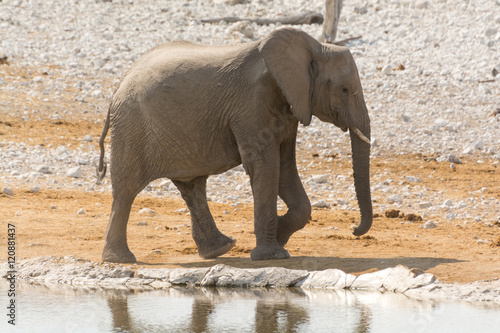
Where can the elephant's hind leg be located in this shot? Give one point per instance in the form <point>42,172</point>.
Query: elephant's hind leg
<point>210,241</point>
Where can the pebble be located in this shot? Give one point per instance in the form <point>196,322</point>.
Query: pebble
<point>61,150</point>
<point>428,225</point>
<point>395,199</point>
<point>8,191</point>
<point>386,70</point>
<point>43,169</point>
<point>81,211</point>
<point>243,27</point>
<point>422,4</point>
<point>448,203</point>
<point>320,204</point>
<point>147,211</point>
<point>35,189</point>
<point>425,204</point>
<point>181,210</point>
<point>361,10</point>
<point>491,32</point>
<point>142,224</point>
<point>88,138</point>
<point>449,158</point>
<point>75,172</point>
<point>319,179</point>
<point>479,145</point>
<point>450,216</point>
<point>342,202</point>
<point>413,179</point>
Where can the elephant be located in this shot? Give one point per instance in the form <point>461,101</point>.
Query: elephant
<point>185,111</point>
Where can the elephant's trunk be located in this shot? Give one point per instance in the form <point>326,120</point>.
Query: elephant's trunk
<point>361,168</point>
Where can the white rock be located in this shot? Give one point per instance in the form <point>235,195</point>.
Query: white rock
<point>491,32</point>
<point>146,211</point>
<point>8,190</point>
<point>88,138</point>
<point>142,224</point>
<point>97,94</point>
<point>386,70</point>
<point>243,27</point>
<point>468,151</point>
<point>187,276</point>
<point>43,169</point>
<point>447,203</point>
<point>361,10</point>
<point>320,204</point>
<point>181,210</point>
<point>402,279</point>
<point>61,150</point>
<point>413,179</point>
<point>422,4</point>
<point>81,211</point>
<point>319,179</point>
<point>35,189</point>
<point>75,172</point>
<point>428,225</point>
<point>450,216</point>
<point>327,278</point>
<point>342,202</point>
<point>449,158</point>
<point>395,199</point>
<point>225,276</point>
<point>479,145</point>
<point>439,123</point>
<point>424,204</point>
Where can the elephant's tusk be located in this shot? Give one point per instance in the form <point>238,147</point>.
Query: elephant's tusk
<point>360,135</point>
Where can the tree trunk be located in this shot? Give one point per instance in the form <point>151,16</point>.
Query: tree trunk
<point>331,21</point>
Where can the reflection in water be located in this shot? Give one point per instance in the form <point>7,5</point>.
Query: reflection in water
<point>364,320</point>
<point>64,308</point>
<point>118,305</point>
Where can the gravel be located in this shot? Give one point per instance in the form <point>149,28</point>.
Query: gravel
<point>427,68</point>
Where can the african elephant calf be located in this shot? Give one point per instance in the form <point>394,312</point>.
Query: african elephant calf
<point>186,111</point>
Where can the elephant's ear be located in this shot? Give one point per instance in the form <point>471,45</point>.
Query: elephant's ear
<point>288,54</point>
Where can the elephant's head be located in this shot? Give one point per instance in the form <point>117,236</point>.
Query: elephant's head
<point>322,80</point>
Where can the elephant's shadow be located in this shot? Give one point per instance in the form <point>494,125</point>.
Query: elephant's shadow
<point>348,265</point>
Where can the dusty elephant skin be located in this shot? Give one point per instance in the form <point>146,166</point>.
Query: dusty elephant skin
<point>187,111</point>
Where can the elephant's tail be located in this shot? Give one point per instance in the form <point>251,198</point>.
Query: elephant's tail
<point>101,168</point>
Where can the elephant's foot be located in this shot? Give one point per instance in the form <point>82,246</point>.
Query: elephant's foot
<point>263,252</point>
<point>118,255</point>
<point>210,250</point>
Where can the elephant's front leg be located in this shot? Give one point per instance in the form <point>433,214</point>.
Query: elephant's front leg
<point>293,194</point>
<point>210,241</point>
<point>263,170</point>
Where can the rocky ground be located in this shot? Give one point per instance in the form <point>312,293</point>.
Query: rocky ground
<point>429,72</point>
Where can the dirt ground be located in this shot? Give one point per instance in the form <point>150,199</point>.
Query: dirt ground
<point>449,251</point>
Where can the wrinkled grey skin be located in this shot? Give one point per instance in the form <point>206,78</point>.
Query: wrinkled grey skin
<point>187,111</point>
